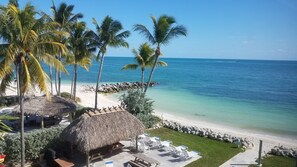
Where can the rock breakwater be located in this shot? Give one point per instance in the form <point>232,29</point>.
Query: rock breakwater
<point>283,151</point>
<point>117,87</point>
<point>245,143</point>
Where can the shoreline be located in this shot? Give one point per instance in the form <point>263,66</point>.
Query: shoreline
<point>270,140</point>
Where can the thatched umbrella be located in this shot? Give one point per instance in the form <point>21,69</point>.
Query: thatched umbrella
<point>95,129</point>
<point>44,106</point>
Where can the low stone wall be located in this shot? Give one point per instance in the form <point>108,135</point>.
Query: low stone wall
<point>245,143</point>
<point>283,151</point>
<point>117,87</point>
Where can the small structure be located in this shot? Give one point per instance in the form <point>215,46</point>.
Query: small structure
<point>99,128</point>
<point>44,106</point>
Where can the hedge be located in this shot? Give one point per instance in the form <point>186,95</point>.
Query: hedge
<point>36,141</point>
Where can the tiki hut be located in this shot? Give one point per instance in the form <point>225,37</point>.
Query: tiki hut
<point>44,106</point>
<point>98,128</point>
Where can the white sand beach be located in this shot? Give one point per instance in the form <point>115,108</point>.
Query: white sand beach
<point>87,100</point>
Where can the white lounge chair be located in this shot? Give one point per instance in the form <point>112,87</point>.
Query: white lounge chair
<point>185,155</point>
<point>155,142</point>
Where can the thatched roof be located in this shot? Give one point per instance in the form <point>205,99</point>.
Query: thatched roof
<point>95,129</point>
<point>41,105</point>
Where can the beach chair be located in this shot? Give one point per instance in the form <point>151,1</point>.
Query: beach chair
<point>155,142</point>
<point>108,163</point>
<point>179,150</point>
<point>185,155</point>
<point>142,146</point>
<point>165,145</point>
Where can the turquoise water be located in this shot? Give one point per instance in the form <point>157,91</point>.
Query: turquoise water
<point>249,94</point>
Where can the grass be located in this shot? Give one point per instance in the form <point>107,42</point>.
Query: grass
<point>277,161</point>
<point>214,153</point>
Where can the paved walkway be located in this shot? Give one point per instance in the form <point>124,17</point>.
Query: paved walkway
<point>243,159</point>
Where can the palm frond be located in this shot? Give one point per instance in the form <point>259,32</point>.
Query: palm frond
<point>175,32</point>
<point>25,76</point>
<point>4,128</point>
<point>162,63</point>
<point>5,67</point>
<point>130,67</point>
<point>144,31</point>
<point>54,62</point>
<point>85,63</point>
<point>6,81</point>
<point>38,75</point>
<point>139,59</point>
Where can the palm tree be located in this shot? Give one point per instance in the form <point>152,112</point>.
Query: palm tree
<point>164,30</point>
<point>26,41</point>
<point>80,50</point>
<point>108,34</point>
<point>144,57</point>
<point>64,16</point>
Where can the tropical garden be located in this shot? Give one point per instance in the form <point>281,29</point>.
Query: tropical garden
<point>36,47</point>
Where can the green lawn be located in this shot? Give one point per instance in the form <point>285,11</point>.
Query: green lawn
<point>277,161</point>
<point>214,153</point>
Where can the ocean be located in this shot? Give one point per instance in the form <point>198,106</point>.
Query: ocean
<point>248,94</point>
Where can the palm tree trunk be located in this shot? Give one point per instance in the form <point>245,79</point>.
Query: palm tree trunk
<point>72,80</point>
<point>51,78</point>
<point>98,80</point>
<point>59,78</point>
<point>56,78</point>
<point>151,74</point>
<point>142,79</point>
<point>19,85</point>
<point>75,78</point>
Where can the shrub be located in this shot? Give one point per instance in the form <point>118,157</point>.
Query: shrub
<point>67,95</point>
<point>137,103</point>
<point>148,120</point>
<point>140,106</point>
<point>36,141</point>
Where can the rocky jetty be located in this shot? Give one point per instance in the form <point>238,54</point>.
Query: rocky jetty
<point>117,87</point>
<point>245,143</point>
<point>283,151</point>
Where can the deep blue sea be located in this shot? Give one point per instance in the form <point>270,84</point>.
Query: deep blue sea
<point>249,94</point>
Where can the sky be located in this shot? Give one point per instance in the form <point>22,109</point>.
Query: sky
<point>223,29</point>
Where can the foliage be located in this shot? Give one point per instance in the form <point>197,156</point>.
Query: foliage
<point>36,141</point>
<point>277,161</point>
<point>214,153</point>
<point>67,95</point>
<point>144,57</point>
<point>108,34</point>
<point>26,42</point>
<point>3,127</point>
<point>140,106</point>
<point>149,120</point>
<point>164,30</point>
<point>81,111</point>
<point>136,102</point>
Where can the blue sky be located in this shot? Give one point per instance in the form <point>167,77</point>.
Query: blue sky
<point>236,29</point>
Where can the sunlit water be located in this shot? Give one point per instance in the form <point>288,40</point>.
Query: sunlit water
<point>254,95</point>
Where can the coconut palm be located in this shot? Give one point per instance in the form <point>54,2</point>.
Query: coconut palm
<point>108,34</point>
<point>80,50</point>
<point>65,17</point>
<point>163,31</point>
<point>144,57</point>
<point>26,41</point>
